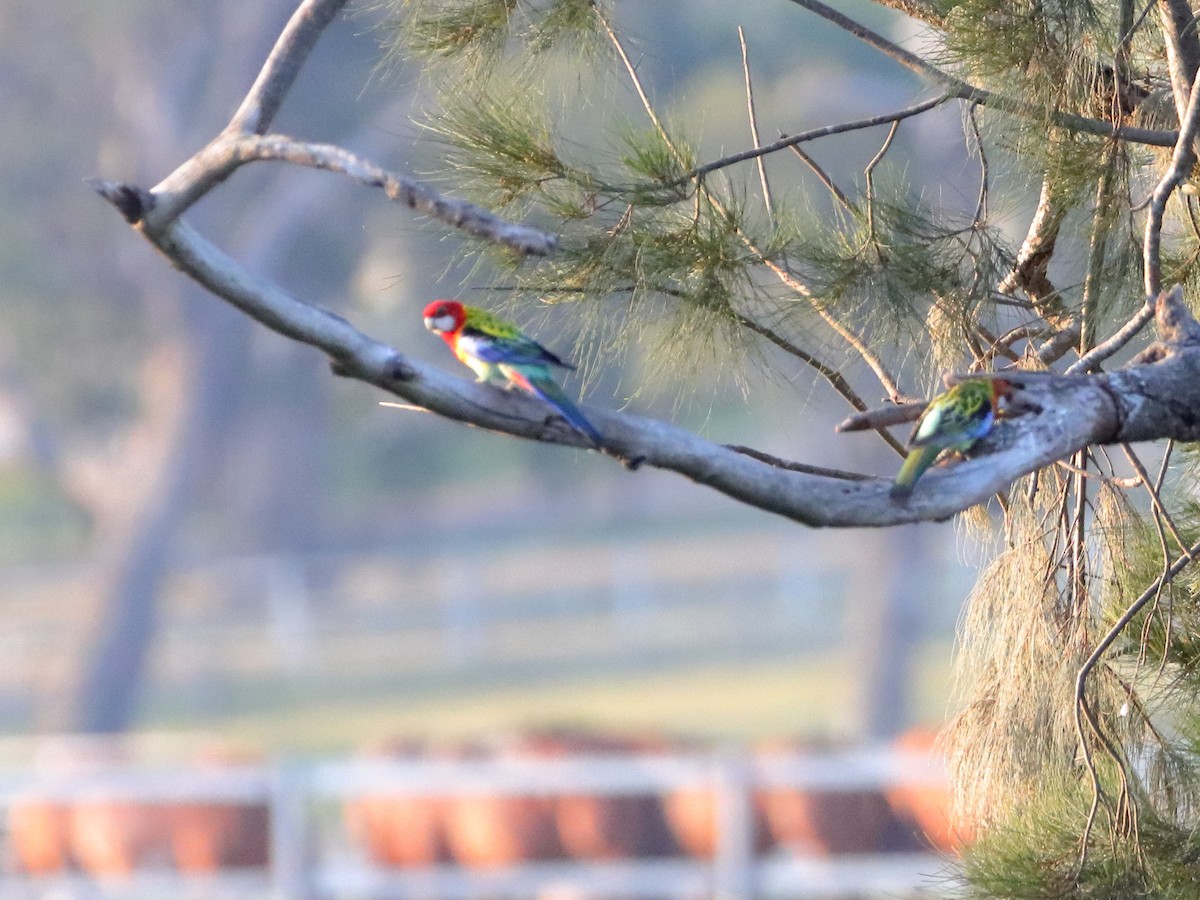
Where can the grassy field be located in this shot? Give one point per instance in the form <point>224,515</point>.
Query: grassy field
<point>812,695</point>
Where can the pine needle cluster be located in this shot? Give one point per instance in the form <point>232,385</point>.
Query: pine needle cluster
<point>473,34</point>
<point>895,261</point>
<point>1040,859</point>
<point>1044,52</point>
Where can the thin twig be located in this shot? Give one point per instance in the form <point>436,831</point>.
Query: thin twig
<point>753,119</point>
<point>830,374</point>
<point>636,80</point>
<point>1098,476</point>
<point>791,466</point>
<point>1097,246</point>
<point>835,378</point>
<point>872,359</point>
<point>1082,710</point>
<point>811,135</point>
<point>1165,465</point>
<point>981,203</point>
<point>1113,344</point>
<point>1004,342</point>
<point>1155,499</point>
<point>837,192</point>
<point>869,178</point>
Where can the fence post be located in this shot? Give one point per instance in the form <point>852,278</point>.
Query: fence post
<point>289,833</point>
<point>733,862</point>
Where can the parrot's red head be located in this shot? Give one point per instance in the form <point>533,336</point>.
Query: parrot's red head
<point>445,317</point>
<point>1001,388</point>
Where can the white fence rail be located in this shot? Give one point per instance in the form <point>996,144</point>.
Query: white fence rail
<point>307,863</point>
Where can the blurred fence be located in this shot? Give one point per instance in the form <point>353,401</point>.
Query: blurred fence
<point>308,845</point>
<point>236,632</point>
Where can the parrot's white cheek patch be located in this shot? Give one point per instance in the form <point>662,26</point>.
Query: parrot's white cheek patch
<point>440,323</point>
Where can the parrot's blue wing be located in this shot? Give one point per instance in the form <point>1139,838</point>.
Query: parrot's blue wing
<point>516,350</point>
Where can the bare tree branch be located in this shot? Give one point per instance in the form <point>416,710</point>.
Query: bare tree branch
<point>155,210</point>
<point>1083,412</point>
<point>1113,344</point>
<point>1183,158</point>
<point>1183,49</point>
<point>299,36</point>
<point>966,91</point>
<point>1133,404</point>
<point>824,178</point>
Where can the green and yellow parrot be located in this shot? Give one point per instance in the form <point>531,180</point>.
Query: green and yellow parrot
<point>500,353</point>
<point>954,421</point>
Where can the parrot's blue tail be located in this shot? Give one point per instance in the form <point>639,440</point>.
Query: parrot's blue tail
<point>547,389</point>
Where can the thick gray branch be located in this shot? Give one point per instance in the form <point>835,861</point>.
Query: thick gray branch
<point>1149,401</point>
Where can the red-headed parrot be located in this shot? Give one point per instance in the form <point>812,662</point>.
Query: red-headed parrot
<point>499,352</point>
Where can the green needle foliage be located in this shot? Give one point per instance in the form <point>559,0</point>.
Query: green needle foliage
<point>1046,52</point>
<point>689,267</point>
<point>473,34</point>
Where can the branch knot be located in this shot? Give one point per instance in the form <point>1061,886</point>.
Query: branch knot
<point>132,202</point>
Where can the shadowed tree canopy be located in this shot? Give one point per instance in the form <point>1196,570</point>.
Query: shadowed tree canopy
<point>1078,665</point>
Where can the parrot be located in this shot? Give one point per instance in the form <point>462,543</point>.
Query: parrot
<point>954,420</point>
<point>500,353</point>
